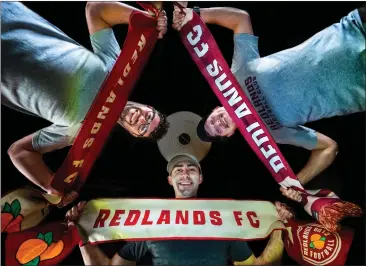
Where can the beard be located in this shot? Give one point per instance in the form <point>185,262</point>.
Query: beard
<point>187,191</point>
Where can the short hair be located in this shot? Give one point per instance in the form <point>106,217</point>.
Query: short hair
<point>161,130</point>
<point>131,103</point>
<point>204,136</point>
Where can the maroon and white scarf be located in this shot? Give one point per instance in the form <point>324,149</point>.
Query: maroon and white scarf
<point>106,220</point>
<point>323,205</point>
<point>109,103</point>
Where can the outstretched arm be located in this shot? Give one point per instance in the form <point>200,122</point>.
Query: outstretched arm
<point>232,18</point>
<point>272,254</point>
<point>323,149</point>
<point>321,157</point>
<point>30,163</point>
<point>228,17</point>
<point>102,15</point>
<point>92,254</point>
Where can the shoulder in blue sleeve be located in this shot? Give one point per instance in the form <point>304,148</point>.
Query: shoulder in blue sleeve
<point>105,45</point>
<point>298,136</point>
<point>54,137</point>
<point>245,50</point>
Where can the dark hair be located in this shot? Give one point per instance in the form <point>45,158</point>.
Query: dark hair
<point>204,136</point>
<point>161,130</point>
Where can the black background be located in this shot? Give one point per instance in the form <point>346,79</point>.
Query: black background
<point>171,82</point>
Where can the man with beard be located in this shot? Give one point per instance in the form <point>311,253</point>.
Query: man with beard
<point>185,176</point>
<point>320,78</point>
<point>47,74</point>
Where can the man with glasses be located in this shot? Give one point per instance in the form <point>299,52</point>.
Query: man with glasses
<point>139,120</point>
<point>47,74</point>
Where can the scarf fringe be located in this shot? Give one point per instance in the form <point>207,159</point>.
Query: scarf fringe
<point>331,214</point>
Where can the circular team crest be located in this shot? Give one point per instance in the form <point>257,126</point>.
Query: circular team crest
<point>318,245</point>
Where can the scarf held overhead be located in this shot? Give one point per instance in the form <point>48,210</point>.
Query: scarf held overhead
<point>109,103</point>
<point>323,205</point>
<point>106,220</point>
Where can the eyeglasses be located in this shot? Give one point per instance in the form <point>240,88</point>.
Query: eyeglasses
<point>142,129</point>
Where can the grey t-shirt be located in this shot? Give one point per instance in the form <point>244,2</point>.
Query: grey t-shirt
<point>320,78</point>
<point>46,73</point>
<point>187,252</point>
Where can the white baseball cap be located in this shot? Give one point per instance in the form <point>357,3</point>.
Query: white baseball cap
<point>179,158</point>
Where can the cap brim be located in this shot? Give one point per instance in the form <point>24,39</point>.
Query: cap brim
<point>180,158</point>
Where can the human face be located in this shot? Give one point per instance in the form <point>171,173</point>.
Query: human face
<point>185,179</point>
<point>219,123</point>
<point>140,120</point>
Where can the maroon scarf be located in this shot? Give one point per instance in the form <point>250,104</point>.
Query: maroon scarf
<point>323,205</point>
<point>109,103</point>
<point>49,244</point>
<point>311,244</point>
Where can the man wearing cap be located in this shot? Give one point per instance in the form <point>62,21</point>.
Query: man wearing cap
<point>185,176</point>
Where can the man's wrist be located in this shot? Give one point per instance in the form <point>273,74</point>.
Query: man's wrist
<point>276,234</point>
<point>197,10</point>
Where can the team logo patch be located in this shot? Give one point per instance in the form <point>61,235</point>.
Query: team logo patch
<point>318,245</point>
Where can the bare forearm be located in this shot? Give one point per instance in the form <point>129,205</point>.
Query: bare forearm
<point>231,18</point>
<point>109,13</point>
<point>32,166</point>
<point>272,254</point>
<point>92,255</point>
<point>319,160</point>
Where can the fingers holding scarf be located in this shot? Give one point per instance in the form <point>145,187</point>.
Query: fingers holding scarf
<point>181,17</point>
<point>162,24</point>
<point>291,194</point>
<point>284,212</point>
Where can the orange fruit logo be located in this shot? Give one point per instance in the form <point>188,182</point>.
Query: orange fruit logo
<point>11,218</point>
<point>34,250</point>
<point>317,241</point>
<point>318,245</point>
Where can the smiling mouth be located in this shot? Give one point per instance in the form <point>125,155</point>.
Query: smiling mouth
<point>185,184</point>
<point>224,122</point>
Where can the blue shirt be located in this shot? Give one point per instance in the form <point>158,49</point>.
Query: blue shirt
<point>320,78</point>
<point>46,73</point>
<point>187,252</point>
